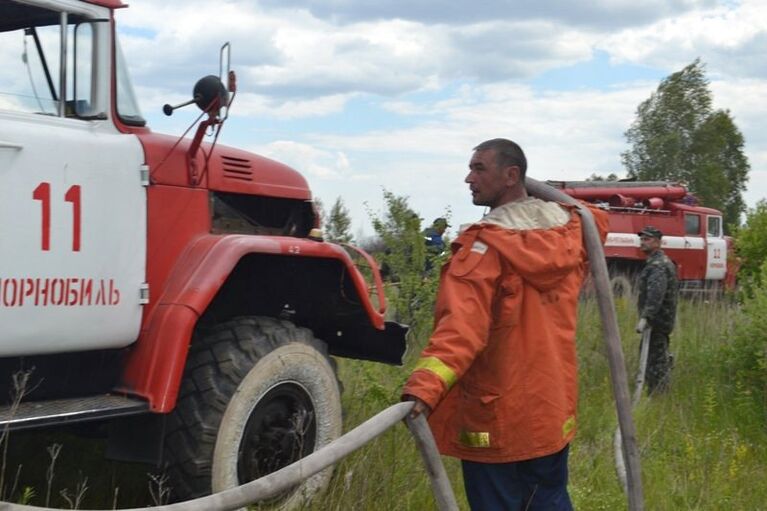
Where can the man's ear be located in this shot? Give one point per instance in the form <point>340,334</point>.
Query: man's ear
<point>514,174</point>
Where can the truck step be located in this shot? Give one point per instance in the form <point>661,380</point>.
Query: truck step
<point>36,414</point>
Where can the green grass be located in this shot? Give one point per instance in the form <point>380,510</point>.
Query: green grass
<point>703,445</point>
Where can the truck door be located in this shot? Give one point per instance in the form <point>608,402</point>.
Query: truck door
<point>716,249</point>
<point>72,204</point>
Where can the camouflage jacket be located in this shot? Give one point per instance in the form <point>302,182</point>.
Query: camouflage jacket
<point>658,290</point>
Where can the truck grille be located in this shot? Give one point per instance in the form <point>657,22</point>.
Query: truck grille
<point>237,168</point>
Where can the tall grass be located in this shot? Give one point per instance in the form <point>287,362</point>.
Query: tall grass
<point>703,444</point>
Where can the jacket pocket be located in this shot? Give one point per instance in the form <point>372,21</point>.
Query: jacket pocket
<point>507,304</point>
<point>479,421</point>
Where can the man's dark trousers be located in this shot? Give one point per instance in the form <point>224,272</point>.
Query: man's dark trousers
<point>659,362</point>
<point>539,484</point>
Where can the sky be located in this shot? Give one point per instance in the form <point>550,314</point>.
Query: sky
<point>366,95</point>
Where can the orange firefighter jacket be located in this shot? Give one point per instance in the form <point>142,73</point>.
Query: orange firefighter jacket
<point>499,371</point>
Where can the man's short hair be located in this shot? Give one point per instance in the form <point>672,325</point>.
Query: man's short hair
<point>507,153</point>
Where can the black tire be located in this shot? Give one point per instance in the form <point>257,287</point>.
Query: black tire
<point>258,393</point>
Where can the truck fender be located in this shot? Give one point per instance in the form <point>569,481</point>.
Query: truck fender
<point>155,363</point>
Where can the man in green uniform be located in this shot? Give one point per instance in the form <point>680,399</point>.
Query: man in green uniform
<point>658,291</point>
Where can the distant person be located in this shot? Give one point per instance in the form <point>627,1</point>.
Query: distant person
<point>498,377</point>
<point>658,292</point>
<point>435,243</point>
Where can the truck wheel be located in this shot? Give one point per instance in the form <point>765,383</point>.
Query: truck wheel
<point>257,395</point>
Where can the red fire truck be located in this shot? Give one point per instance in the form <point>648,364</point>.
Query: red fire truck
<point>175,295</point>
<point>693,235</point>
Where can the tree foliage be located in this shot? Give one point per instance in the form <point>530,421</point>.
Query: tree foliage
<point>338,223</point>
<point>411,289</point>
<point>677,136</point>
<point>751,244</point>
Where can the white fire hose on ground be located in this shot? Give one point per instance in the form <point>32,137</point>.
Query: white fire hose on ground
<point>644,351</point>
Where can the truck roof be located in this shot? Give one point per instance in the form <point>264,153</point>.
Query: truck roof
<point>16,15</point>
<point>112,4</point>
<point>694,209</point>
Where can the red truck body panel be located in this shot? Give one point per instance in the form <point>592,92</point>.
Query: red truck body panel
<point>155,364</point>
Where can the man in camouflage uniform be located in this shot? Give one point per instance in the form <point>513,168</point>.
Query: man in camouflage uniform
<point>658,291</point>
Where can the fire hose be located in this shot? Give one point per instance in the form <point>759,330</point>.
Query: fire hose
<point>618,377</point>
<point>644,350</point>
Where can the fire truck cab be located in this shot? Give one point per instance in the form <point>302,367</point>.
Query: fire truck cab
<point>693,235</point>
<point>175,293</point>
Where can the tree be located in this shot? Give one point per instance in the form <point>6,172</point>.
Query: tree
<point>723,166</point>
<point>612,176</point>
<point>677,136</point>
<point>319,207</point>
<point>339,223</point>
<point>410,290</point>
<point>751,245</point>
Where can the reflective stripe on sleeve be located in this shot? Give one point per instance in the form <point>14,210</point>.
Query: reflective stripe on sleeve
<point>438,367</point>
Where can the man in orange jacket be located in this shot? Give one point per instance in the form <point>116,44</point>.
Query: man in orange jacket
<point>498,377</point>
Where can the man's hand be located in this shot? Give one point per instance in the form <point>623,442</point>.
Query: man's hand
<point>641,326</point>
<point>419,408</point>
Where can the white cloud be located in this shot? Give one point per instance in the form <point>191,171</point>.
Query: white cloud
<point>258,106</point>
<point>297,51</point>
<point>718,36</point>
<point>566,135</point>
<point>305,60</point>
<point>311,160</point>
<point>302,58</point>
<point>607,13</point>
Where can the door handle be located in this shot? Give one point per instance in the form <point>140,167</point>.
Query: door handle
<point>10,145</point>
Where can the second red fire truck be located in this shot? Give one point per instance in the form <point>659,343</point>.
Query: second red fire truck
<point>693,235</point>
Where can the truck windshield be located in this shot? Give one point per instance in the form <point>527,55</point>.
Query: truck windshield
<point>35,43</point>
<point>127,106</point>
<point>30,52</point>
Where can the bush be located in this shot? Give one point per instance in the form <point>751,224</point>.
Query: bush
<point>411,287</point>
<point>751,245</point>
<point>746,356</point>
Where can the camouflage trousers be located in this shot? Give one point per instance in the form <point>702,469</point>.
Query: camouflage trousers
<point>659,363</point>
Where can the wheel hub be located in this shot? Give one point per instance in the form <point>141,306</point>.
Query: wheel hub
<point>281,430</point>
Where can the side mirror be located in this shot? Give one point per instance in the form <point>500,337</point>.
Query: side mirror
<point>207,90</point>
<point>210,94</point>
